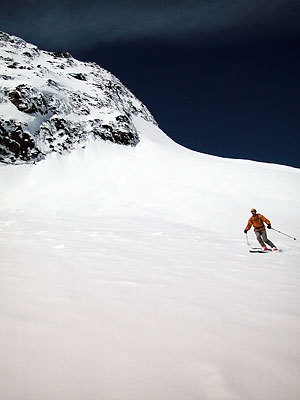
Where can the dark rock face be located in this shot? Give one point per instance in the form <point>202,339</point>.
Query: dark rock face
<point>16,143</point>
<point>28,100</point>
<point>50,102</point>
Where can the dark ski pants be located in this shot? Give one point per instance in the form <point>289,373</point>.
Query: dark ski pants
<point>262,238</point>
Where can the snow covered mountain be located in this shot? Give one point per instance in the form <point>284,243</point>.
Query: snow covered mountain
<point>124,270</point>
<point>54,105</point>
<point>52,102</point>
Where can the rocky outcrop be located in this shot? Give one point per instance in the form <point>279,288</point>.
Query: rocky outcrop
<point>17,143</point>
<point>51,102</point>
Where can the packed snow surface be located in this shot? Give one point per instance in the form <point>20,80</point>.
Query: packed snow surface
<point>125,275</point>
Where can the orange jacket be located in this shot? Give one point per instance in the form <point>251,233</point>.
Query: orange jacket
<point>257,221</point>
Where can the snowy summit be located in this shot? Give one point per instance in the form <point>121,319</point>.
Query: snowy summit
<point>125,272</point>
<point>52,102</point>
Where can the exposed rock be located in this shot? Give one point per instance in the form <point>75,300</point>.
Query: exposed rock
<point>17,144</point>
<point>28,100</point>
<point>51,102</point>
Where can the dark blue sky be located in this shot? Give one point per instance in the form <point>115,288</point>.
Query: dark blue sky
<point>220,77</point>
<point>236,101</point>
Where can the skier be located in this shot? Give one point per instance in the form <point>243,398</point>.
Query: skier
<point>257,220</point>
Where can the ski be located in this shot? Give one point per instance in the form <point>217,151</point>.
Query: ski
<point>257,250</point>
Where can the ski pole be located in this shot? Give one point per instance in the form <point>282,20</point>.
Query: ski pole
<point>247,240</point>
<point>284,234</point>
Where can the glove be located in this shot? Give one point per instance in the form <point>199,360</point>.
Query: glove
<point>245,231</point>
<point>269,226</point>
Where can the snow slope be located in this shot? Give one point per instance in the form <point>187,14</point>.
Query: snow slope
<point>125,274</point>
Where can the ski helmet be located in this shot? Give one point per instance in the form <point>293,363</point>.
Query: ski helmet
<point>253,210</point>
